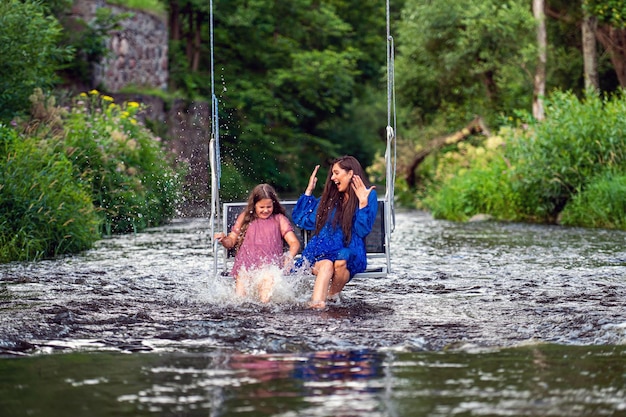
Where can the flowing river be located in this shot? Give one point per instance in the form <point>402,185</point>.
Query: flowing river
<point>475,319</point>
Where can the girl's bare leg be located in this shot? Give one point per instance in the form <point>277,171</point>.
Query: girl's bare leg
<point>240,286</point>
<point>266,287</point>
<point>324,272</point>
<point>341,277</point>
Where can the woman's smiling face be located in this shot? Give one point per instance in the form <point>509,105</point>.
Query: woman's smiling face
<point>341,178</point>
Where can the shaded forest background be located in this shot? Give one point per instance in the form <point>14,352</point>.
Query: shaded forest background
<point>304,80</point>
<point>511,108</point>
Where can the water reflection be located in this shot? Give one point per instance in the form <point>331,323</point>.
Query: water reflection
<point>319,383</point>
<point>536,380</point>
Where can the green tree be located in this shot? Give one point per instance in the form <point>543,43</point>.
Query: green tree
<point>289,78</point>
<point>466,57</point>
<point>29,53</point>
<point>611,31</point>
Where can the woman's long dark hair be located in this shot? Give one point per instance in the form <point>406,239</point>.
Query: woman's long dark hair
<point>333,199</point>
<point>260,192</point>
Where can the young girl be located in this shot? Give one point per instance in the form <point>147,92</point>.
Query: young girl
<point>341,218</point>
<point>257,236</point>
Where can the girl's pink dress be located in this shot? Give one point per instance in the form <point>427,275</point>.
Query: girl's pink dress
<point>263,243</point>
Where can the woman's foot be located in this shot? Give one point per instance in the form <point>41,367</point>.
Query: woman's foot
<point>318,305</point>
<point>334,299</point>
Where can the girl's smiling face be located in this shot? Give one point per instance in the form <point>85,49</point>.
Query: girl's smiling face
<point>264,208</point>
<point>341,178</point>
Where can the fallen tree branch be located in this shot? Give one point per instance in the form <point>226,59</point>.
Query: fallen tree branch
<point>474,127</point>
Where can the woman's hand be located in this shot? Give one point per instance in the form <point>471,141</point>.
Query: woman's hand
<point>312,181</point>
<point>361,191</point>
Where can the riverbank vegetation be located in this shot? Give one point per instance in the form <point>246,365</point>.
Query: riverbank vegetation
<point>580,148</point>
<point>552,146</point>
<point>300,82</point>
<point>71,176</point>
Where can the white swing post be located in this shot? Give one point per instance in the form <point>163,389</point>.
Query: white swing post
<point>214,153</point>
<point>390,152</point>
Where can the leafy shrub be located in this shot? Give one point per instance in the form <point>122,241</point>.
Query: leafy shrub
<point>474,180</point>
<point>576,155</point>
<point>233,186</point>
<point>29,54</point>
<point>558,156</point>
<point>601,204</point>
<point>132,182</point>
<point>44,212</point>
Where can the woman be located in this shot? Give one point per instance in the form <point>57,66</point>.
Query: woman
<point>341,219</point>
<point>257,236</point>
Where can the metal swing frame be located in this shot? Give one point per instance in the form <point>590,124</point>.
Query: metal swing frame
<point>377,243</point>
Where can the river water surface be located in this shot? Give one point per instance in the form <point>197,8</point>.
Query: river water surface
<point>475,319</point>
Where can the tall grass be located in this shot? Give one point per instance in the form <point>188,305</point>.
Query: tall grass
<point>601,204</point>
<point>44,212</point>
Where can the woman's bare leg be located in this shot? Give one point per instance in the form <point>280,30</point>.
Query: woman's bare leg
<point>341,277</point>
<point>324,272</point>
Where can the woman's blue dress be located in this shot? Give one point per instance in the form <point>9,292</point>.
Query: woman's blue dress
<point>328,243</point>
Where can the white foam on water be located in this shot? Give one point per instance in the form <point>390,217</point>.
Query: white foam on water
<point>289,289</point>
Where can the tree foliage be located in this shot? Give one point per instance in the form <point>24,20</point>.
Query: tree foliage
<point>29,53</point>
<point>465,57</point>
<point>288,75</point>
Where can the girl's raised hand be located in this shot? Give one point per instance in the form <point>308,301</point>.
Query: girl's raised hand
<point>312,181</point>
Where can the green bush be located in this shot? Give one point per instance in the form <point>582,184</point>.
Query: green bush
<point>484,188</point>
<point>233,185</point>
<point>569,165</point>
<point>44,212</point>
<point>29,54</point>
<point>131,179</point>
<point>601,204</point>
<point>558,156</point>
<point>474,181</point>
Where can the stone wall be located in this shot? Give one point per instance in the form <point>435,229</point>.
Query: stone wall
<point>138,52</point>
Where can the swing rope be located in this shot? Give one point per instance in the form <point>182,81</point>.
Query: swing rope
<point>390,160</point>
<point>214,153</point>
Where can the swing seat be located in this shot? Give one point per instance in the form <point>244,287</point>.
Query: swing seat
<point>377,242</point>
